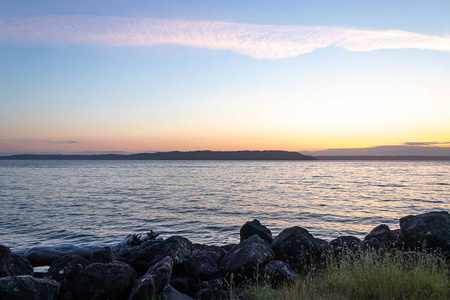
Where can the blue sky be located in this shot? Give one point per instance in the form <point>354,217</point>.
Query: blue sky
<point>223,75</point>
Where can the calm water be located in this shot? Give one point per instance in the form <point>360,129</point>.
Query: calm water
<point>100,202</point>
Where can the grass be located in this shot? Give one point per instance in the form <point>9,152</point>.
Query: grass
<point>366,276</point>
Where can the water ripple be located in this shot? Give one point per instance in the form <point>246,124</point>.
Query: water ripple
<point>100,202</point>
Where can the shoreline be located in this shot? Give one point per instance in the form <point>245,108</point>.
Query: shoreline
<point>148,265</point>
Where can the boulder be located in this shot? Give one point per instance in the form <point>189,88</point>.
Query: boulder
<point>104,255</point>
<point>169,293</point>
<point>295,246</point>
<point>65,270</point>
<point>279,272</point>
<point>345,245</point>
<point>244,259</point>
<point>372,243</point>
<point>153,282</point>
<point>184,285</point>
<point>228,247</point>
<point>29,288</point>
<point>215,284</point>
<point>141,258</point>
<point>208,294</point>
<point>384,236</point>
<point>216,253</point>
<point>255,227</point>
<point>322,247</point>
<point>104,281</point>
<point>12,264</point>
<point>201,266</point>
<point>429,231</point>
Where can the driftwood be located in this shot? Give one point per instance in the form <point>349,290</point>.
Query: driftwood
<point>46,255</point>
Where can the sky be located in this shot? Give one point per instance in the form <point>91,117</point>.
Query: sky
<point>138,76</point>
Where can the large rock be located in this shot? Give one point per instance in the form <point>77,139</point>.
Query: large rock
<point>384,236</point>
<point>208,294</point>
<point>214,284</point>
<point>104,281</point>
<point>26,287</point>
<point>12,264</point>
<point>255,227</point>
<point>296,246</point>
<point>345,245</point>
<point>279,272</point>
<point>202,267</point>
<point>153,282</point>
<point>216,253</point>
<point>141,258</point>
<point>244,259</point>
<point>65,270</point>
<point>104,255</point>
<point>184,285</point>
<point>203,264</point>
<point>169,293</point>
<point>430,231</point>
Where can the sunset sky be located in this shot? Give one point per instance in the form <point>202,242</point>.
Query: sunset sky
<point>136,76</point>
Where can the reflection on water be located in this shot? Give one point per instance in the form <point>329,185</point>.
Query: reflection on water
<point>57,202</point>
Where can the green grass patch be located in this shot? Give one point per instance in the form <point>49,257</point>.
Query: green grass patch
<point>367,275</point>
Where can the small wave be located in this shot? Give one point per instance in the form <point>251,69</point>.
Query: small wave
<point>390,185</point>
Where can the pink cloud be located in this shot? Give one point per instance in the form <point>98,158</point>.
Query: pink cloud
<point>257,41</point>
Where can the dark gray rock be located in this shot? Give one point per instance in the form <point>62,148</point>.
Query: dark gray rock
<point>345,245</point>
<point>65,270</point>
<point>169,293</point>
<point>322,247</point>
<point>184,285</point>
<point>215,284</point>
<point>26,287</point>
<point>228,247</point>
<point>141,258</point>
<point>372,244</point>
<point>104,281</point>
<point>153,282</point>
<point>296,246</point>
<point>104,255</point>
<point>12,264</point>
<point>216,253</point>
<point>208,294</point>
<point>201,266</point>
<point>255,227</point>
<point>384,235</point>
<point>244,259</point>
<point>279,272</point>
<point>430,231</point>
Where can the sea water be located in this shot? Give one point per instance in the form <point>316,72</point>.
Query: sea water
<point>101,202</point>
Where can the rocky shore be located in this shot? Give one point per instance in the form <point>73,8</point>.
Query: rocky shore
<point>145,266</point>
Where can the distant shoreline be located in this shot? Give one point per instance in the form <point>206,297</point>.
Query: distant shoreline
<point>223,155</point>
<point>174,155</point>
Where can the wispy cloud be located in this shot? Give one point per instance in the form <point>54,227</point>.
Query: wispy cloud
<point>425,143</point>
<point>61,142</point>
<point>257,41</point>
<point>408,148</point>
<point>41,141</point>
